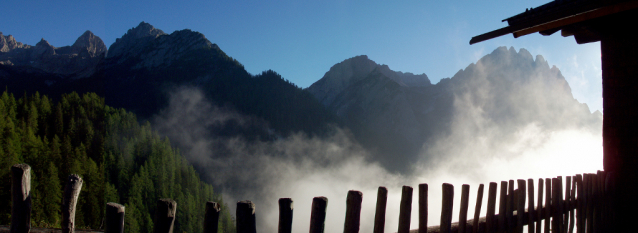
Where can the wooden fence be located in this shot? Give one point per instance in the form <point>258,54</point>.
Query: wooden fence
<point>584,206</point>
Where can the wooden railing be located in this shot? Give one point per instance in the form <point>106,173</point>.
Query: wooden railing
<point>584,206</point>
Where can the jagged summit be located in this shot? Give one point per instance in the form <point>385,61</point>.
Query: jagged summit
<point>89,41</point>
<point>8,43</point>
<point>144,32</point>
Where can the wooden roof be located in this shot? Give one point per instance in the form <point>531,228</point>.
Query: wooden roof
<point>574,17</point>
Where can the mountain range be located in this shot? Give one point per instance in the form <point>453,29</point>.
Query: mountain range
<point>397,116</point>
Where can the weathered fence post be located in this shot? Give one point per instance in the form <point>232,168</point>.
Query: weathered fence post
<point>353,211</point>
<point>548,204</point>
<point>211,217</point>
<point>379,215</point>
<point>423,208</point>
<point>21,197</point>
<point>165,215</point>
<point>539,207</point>
<point>465,196</point>
<point>530,206</point>
<point>70,199</point>
<point>318,214</point>
<point>555,206</point>
<point>246,217</point>
<point>566,203</point>
<point>572,199</point>
<point>580,215</point>
<point>491,206</point>
<point>285,215</point>
<point>590,200</point>
<point>511,223</point>
<point>502,208</point>
<point>477,209</point>
<point>114,219</point>
<point>520,207</point>
<point>446,208</point>
<point>405,209</point>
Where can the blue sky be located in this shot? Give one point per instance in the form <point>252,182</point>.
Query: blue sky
<point>301,40</point>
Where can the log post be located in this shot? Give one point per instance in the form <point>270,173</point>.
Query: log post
<point>379,215</point>
<point>539,207</point>
<point>560,203</point>
<point>509,218</point>
<point>502,208</point>
<point>211,217</point>
<point>114,219</point>
<point>318,214</point>
<point>572,202</point>
<point>465,196</point>
<point>589,201</point>
<point>353,211</point>
<point>165,215</point>
<point>530,206</point>
<point>548,204</point>
<point>555,208</point>
<point>477,209</point>
<point>246,217</point>
<point>423,208</point>
<point>21,198</point>
<point>566,203</point>
<point>405,209</point>
<point>70,200</point>
<point>491,206</point>
<point>285,215</point>
<point>520,207</point>
<point>580,215</point>
<point>446,208</point>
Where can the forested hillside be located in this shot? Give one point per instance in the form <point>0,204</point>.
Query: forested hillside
<point>75,135</point>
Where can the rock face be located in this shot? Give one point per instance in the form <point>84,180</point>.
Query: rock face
<point>77,61</point>
<point>400,117</point>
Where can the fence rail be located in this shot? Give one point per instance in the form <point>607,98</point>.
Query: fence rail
<point>584,206</point>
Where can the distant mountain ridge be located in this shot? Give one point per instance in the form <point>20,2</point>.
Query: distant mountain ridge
<point>503,92</point>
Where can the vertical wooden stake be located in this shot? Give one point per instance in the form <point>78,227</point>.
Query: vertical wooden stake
<point>285,215</point>
<point>70,199</point>
<point>572,199</point>
<point>490,225</point>
<point>406,209</point>
<point>465,196</point>
<point>379,216</point>
<point>114,218</point>
<point>520,207</point>
<point>353,211</point>
<point>580,214</point>
<point>446,208</point>
<point>165,215</point>
<point>555,206</point>
<point>509,217</point>
<point>589,201</point>
<point>566,203</point>
<point>477,209</point>
<point>548,204</point>
<point>21,198</point>
<point>318,214</point>
<point>502,208</point>
<point>246,217</point>
<point>211,217</point>
<point>423,208</point>
<point>530,206</point>
<point>539,207</point>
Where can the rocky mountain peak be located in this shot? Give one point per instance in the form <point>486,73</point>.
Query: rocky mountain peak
<point>89,41</point>
<point>144,32</point>
<point>8,43</point>
<point>43,48</point>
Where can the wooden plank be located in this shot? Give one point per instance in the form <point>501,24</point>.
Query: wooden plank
<point>379,215</point>
<point>318,214</point>
<point>560,203</point>
<point>509,217</point>
<point>165,216</point>
<point>69,202</point>
<point>590,201</point>
<point>405,209</point>
<point>423,208</point>
<point>446,207</point>
<point>502,208</point>
<point>566,203</point>
<point>114,218</point>
<point>539,207</point>
<point>21,198</point>
<point>580,200</point>
<point>286,207</point>
<point>530,206</point>
<point>465,196</point>
<point>353,211</point>
<point>548,204</point>
<point>490,227</point>
<point>520,205</point>
<point>572,206</point>
<point>477,209</point>
<point>555,206</point>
